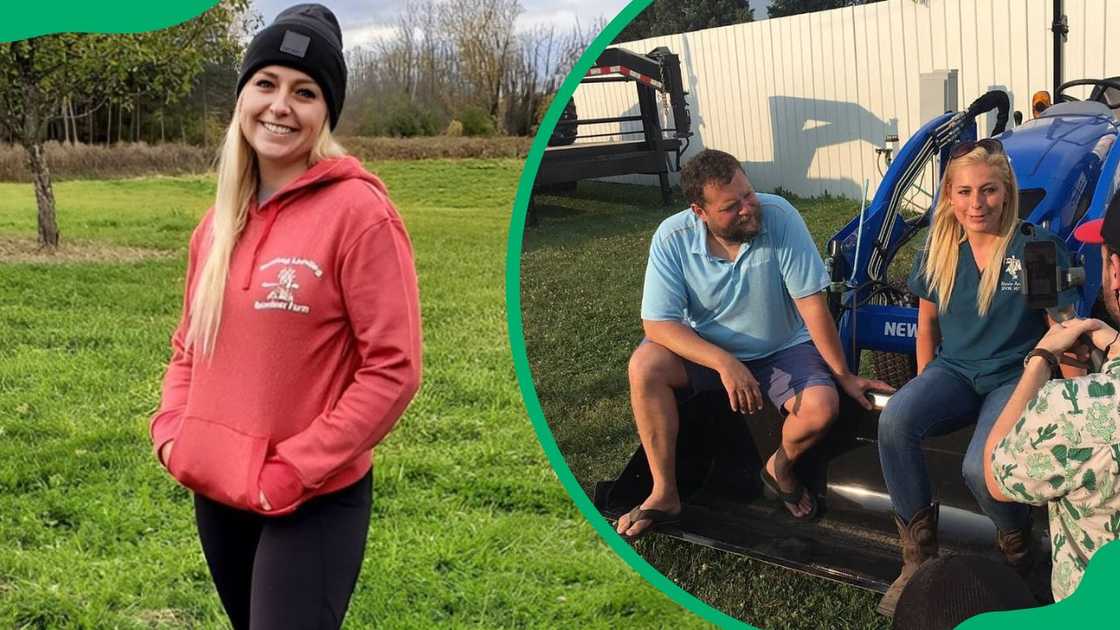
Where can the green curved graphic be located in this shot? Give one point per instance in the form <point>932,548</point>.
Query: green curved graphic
<point>32,19</point>
<point>517,333</point>
<point>1092,605</point>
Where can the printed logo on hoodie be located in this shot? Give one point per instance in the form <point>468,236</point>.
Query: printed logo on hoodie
<point>282,292</point>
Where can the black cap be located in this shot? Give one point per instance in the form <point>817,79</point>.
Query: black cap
<point>305,37</point>
<point>945,591</point>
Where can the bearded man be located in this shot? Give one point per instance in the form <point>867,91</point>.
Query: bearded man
<point>733,301</point>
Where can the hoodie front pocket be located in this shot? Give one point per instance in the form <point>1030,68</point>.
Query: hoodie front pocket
<point>218,462</point>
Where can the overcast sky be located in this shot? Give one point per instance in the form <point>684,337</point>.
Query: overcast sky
<point>364,20</point>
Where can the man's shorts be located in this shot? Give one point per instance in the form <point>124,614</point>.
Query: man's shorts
<point>780,376</point>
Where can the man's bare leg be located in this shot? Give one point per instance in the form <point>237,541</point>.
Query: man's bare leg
<point>654,373</point>
<point>811,412</point>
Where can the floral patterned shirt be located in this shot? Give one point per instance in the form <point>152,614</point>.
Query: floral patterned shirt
<point>1065,451</point>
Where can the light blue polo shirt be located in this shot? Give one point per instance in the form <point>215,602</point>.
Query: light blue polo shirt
<point>744,306</point>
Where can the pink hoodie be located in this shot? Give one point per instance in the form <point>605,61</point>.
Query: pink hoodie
<point>317,353</point>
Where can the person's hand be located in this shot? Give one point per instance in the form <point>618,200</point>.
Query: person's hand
<point>743,391</point>
<point>1077,357</point>
<point>1063,335</point>
<point>282,482</point>
<point>1104,335</point>
<point>165,452</point>
<point>856,387</point>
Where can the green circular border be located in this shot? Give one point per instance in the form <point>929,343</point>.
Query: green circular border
<point>517,332</point>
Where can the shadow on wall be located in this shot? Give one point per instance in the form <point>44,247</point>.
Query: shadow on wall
<point>815,124</point>
<point>812,124</point>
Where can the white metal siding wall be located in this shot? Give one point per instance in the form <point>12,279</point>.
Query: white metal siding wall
<point>805,100</point>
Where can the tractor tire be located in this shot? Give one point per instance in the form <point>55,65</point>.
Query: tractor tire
<point>894,368</point>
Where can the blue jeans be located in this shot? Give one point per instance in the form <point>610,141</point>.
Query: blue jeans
<point>937,402</point>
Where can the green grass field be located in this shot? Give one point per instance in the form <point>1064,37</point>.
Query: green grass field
<point>582,272</point>
<point>470,527</point>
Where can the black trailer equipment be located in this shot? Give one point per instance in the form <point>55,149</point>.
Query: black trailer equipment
<point>658,71</point>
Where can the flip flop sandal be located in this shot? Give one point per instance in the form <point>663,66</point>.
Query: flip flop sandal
<point>790,498</point>
<point>656,518</point>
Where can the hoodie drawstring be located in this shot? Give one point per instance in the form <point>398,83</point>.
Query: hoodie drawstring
<point>270,219</point>
<point>323,172</point>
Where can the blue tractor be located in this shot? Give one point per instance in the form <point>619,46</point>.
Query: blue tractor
<point>1068,168</point>
<point>1068,173</point>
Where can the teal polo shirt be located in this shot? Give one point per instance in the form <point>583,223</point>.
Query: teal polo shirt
<point>744,306</point>
<point>988,351</point>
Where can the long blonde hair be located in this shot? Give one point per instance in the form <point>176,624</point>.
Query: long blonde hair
<point>946,234</point>
<point>238,180</point>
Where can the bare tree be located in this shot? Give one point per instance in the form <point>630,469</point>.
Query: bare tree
<point>483,31</point>
<point>544,58</point>
<point>447,55</point>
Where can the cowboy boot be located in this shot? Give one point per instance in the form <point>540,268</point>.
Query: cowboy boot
<point>1015,545</point>
<point>919,543</point>
<point>1019,553</point>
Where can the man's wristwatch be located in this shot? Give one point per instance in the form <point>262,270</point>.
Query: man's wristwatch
<point>1051,360</point>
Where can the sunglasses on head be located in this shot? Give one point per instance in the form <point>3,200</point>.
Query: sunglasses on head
<point>991,145</point>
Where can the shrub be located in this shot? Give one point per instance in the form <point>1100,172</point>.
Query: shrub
<point>476,122</point>
<point>454,129</point>
<point>401,118</point>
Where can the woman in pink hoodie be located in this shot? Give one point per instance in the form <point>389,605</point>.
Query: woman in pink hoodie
<point>299,343</point>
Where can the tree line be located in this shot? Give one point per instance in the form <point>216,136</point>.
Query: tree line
<point>445,60</point>
<point>450,66</point>
<point>459,66</point>
<point>96,88</point>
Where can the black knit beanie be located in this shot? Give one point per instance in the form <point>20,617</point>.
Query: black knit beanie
<point>945,591</point>
<point>305,37</point>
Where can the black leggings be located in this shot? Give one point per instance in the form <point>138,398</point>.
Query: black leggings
<point>293,571</point>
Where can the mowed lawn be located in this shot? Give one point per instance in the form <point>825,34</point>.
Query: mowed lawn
<point>582,271</point>
<point>470,526</point>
